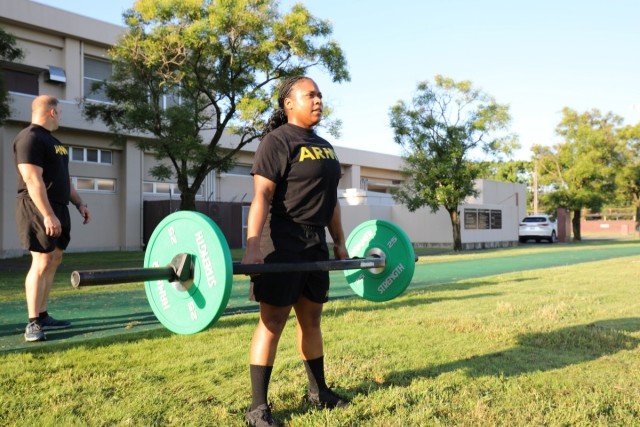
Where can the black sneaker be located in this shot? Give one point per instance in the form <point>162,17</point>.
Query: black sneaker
<point>260,417</point>
<point>327,399</point>
<point>49,323</point>
<point>33,332</point>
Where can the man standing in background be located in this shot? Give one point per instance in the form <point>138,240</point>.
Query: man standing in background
<point>42,215</point>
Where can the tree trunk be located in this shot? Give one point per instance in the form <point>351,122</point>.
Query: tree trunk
<point>575,223</point>
<point>188,200</point>
<point>638,219</point>
<point>455,225</point>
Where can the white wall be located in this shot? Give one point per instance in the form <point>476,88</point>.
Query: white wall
<point>426,228</point>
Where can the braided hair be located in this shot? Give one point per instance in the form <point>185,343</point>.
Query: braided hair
<point>279,116</point>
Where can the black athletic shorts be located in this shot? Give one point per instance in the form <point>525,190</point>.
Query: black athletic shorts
<point>285,241</point>
<point>32,232</point>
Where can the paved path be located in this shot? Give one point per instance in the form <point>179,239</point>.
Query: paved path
<point>119,314</point>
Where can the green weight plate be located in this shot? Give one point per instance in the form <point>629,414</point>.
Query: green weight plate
<point>183,309</point>
<point>381,238</point>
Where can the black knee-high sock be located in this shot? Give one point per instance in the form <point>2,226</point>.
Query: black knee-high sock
<point>315,372</point>
<point>260,376</point>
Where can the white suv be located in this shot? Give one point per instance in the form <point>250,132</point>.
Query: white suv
<point>538,227</point>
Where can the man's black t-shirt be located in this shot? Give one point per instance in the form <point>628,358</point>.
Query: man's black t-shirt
<point>37,146</point>
<point>306,171</point>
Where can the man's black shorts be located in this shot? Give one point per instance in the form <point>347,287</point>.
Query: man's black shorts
<point>31,230</point>
<point>285,241</point>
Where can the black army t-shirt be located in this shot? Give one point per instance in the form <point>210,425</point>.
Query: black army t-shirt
<point>306,171</point>
<point>37,146</point>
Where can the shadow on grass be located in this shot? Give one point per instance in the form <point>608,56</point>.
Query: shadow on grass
<point>82,326</point>
<point>394,304</point>
<point>462,284</point>
<point>428,297</point>
<point>538,351</point>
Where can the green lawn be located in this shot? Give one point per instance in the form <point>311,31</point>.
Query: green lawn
<point>545,347</point>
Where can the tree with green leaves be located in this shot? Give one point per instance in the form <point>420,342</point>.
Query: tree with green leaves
<point>628,178</point>
<point>186,74</point>
<point>442,129</point>
<point>8,52</point>
<point>518,171</point>
<point>580,171</point>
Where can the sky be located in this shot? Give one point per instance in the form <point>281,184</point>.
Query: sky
<point>536,56</point>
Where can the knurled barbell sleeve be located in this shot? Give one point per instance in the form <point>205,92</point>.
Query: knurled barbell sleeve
<point>125,275</point>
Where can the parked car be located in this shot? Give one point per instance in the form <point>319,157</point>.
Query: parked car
<point>538,227</point>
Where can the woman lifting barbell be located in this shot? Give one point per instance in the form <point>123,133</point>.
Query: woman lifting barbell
<point>296,176</point>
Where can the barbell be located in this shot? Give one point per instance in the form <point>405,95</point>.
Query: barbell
<point>188,271</point>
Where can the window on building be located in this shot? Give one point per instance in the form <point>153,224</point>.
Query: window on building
<point>102,185</point>
<point>76,154</point>
<point>20,81</point>
<point>245,225</point>
<point>84,184</point>
<point>169,188</point>
<point>240,170</point>
<point>106,185</point>
<point>106,157</point>
<point>171,99</point>
<point>96,70</point>
<point>163,188</point>
<point>90,155</point>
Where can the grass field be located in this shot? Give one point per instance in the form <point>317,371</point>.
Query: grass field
<point>546,347</point>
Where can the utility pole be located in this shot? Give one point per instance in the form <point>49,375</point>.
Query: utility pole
<point>535,186</point>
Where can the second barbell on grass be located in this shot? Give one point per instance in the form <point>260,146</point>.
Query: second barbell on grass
<point>188,271</point>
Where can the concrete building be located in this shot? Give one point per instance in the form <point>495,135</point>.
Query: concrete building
<point>66,52</point>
